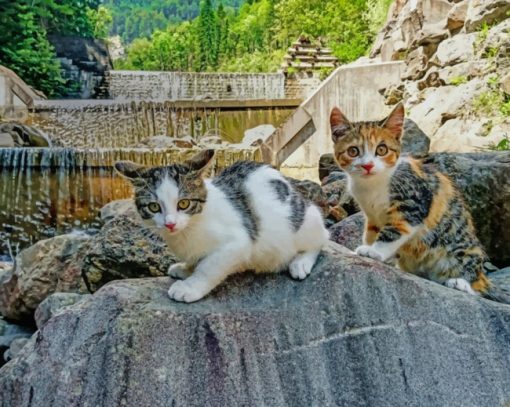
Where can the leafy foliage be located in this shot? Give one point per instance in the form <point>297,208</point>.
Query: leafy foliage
<point>24,46</point>
<point>254,39</point>
<point>134,19</point>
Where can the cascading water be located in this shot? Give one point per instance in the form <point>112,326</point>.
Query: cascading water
<point>158,86</point>
<point>125,124</point>
<point>50,191</point>
<point>46,192</point>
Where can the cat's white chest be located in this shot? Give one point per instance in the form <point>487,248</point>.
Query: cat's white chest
<point>373,199</point>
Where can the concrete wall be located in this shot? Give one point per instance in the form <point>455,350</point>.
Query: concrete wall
<point>354,89</point>
<point>141,85</point>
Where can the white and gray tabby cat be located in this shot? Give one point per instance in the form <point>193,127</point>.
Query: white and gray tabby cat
<point>249,217</point>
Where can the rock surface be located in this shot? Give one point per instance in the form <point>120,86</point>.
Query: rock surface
<point>459,75</point>
<point>54,304</point>
<point>123,248</point>
<point>348,232</point>
<point>40,270</point>
<point>354,333</point>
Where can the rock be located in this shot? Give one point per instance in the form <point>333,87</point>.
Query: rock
<point>482,12</point>
<point>464,135</point>
<point>9,333</point>
<point>54,304</point>
<point>6,140</point>
<point>40,270</point>
<point>501,278</point>
<point>258,133</point>
<point>348,232</point>
<point>416,64</point>
<point>483,179</point>
<point>432,33</point>
<point>120,207</point>
<point>352,330</point>
<point>15,348</point>
<point>496,45</point>
<point>210,141</point>
<point>454,50</point>
<point>167,142</point>
<point>123,248</point>
<point>24,136</point>
<point>443,103</point>
<point>339,198</point>
<point>505,83</point>
<point>414,141</point>
<point>457,15</point>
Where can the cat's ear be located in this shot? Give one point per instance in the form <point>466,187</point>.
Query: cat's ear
<point>395,121</point>
<point>339,124</point>
<point>129,169</point>
<point>201,162</point>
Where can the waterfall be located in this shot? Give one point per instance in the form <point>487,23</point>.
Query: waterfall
<point>161,86</point>
<point>50,191</point>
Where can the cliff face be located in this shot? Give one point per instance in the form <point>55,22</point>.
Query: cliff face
<point>456,84</point>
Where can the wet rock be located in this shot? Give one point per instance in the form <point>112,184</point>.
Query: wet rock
<point>41,270</point>
<point>363,326</point>
<point>123,248</point>
<point>24,136</point>
<point>348,232</point>
<point>54,304</point>
<point>482,12</point>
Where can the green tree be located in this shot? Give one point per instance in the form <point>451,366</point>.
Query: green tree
<point>25,49</point>
<point>207,36</point>
<point>101,21</point>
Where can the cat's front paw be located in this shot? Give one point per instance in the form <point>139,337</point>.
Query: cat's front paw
<point>460,284</point>
<point>179,271</point>
<point>187,291</point>
<point>368,251</point>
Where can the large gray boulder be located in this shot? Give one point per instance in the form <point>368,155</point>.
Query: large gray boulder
<point>354,333</point>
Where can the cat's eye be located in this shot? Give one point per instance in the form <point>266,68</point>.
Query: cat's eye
<point>381,149</point>
<point>154,207</point>
<point>183,204</point>
<point>353,151</point>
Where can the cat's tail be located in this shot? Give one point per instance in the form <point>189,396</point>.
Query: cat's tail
<point>497,294</point>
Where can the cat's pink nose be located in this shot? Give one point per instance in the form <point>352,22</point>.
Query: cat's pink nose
<point>170,226</point>
<point>368,167</point>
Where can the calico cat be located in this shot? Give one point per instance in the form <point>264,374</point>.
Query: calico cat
<point>248,217</point>
<point>412,211</point>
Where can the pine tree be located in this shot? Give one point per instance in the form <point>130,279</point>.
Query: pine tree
<point>207,38</point>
